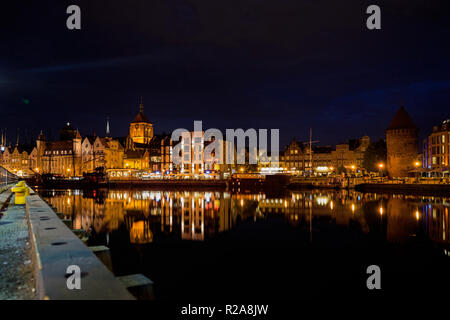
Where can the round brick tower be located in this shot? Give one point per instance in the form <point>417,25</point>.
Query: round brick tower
<point>402,144</point>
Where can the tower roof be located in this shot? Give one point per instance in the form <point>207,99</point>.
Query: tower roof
<point>41,136</point>
<point>401,120</point>
<point>140,117</point>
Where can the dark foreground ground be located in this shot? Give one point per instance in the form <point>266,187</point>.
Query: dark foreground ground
<point>16,273</point>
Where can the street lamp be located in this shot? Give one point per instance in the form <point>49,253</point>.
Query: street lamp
<point>381,166</point>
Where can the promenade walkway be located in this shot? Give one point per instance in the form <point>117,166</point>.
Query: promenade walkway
<point>16,273</point>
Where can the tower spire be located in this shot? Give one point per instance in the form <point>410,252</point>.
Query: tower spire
<point>141,106</point>
<point>107,127</point>
<point>18,137</point>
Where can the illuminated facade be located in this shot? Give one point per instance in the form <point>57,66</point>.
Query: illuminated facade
<point>19,160</point>
<point>141,130</point>
<point>402,144</point>
<point>292,159</point>
<point>138,159</point>
<point>350,155</point>
<point>436,151</point>
<point>98,152</point>
<point>63,157</point>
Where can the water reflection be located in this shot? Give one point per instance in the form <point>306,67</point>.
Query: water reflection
<point>149,216</point>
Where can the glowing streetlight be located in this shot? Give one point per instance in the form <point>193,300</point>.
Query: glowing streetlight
<point>380,167</point>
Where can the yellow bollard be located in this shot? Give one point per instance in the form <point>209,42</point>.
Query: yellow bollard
<point>21,191</point>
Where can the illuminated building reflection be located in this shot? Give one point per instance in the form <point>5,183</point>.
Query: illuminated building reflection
<point>190,215</point>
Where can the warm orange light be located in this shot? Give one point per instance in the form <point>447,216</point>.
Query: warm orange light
<point>381,165</point>
<point>417,163</point>
<point>417,215</point>
<point>353,207</point>
<point>381,210</point>
<point>353,167</point>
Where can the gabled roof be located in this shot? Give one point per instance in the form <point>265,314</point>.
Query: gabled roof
<point>26,148</point>
<point>90,139</point>
<point>401,120</point>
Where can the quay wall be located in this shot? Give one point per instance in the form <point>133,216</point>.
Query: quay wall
<point>54,248</point>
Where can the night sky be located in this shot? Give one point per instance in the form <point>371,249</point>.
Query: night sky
<point>287,64</point>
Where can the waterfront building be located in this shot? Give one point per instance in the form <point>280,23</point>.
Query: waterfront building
<point>166,156</point>
<point>17,160</point>
<point>292,159</point>
<point>62,157</point>
<point>106,153</point>
<point>136,159</point>
<point>192,147</point>
<point>402,144</point>
<point>88,159</point>
<point>270,164</point>
<point>297,158</point>
<point>436,150</point>
<point>321,159</point>
<point>350,155</point>
<point>192,157</point>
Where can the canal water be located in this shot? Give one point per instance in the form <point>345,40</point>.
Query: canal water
<point>215,245</point>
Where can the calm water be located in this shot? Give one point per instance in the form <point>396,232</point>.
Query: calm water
<point>218,244</point>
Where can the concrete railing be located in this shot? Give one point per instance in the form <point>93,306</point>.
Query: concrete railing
<point>55,247</point>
